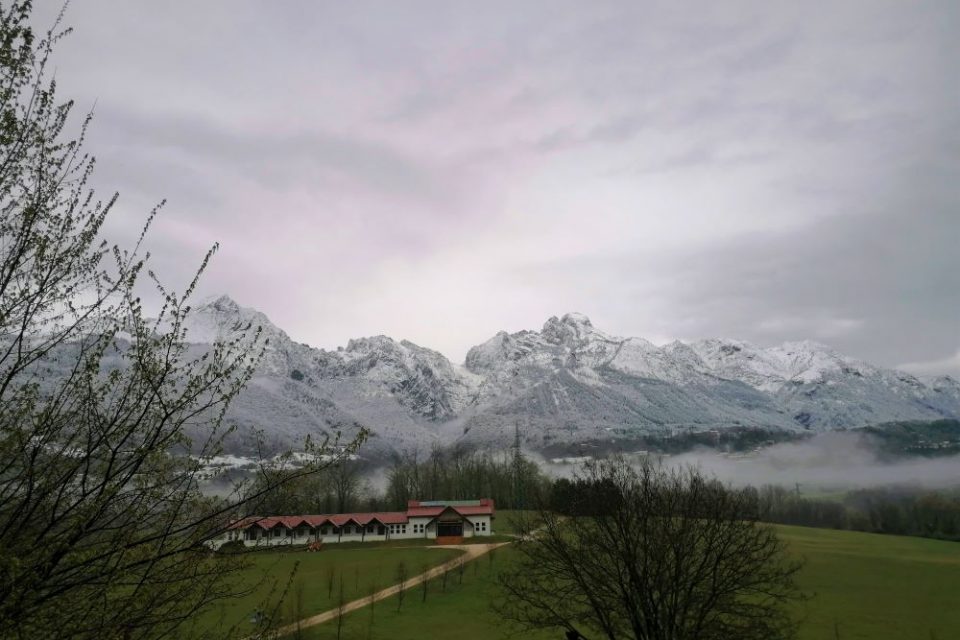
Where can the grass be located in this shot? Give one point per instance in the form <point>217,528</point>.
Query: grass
<point>863,585</point>
<point>303,581</point>
<point>461,611</point>
<point>875,586</point>
<point>506,523</point>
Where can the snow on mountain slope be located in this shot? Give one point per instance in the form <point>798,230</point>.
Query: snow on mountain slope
<point>568,382</point>
<point>769,369</point>
<point>397,389</point>
<point>824,389</point>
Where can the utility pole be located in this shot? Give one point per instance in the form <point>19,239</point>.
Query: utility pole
<point>518,490</point>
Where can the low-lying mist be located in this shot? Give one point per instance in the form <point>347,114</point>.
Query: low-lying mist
<point>824,462</point>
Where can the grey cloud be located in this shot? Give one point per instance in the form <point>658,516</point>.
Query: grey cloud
<point>278,160</point>
<point>373,134</point>
<point>883,287</point>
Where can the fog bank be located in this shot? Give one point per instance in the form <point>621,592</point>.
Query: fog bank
<point>829,460</point>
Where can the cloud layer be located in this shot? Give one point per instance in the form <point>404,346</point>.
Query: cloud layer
<point>439,171</point>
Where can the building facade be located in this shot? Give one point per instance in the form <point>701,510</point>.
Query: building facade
<point>445,519</point>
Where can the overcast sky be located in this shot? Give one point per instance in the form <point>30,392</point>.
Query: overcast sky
<point>438,171</point>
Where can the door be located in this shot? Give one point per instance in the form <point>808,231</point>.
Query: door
<point>449,529</point>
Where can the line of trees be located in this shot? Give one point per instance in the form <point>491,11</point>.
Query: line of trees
<point>893,510</point>
<point>516,482</point>
<point>510,479</point>
<point>443,474</point>
<point>341,488</point>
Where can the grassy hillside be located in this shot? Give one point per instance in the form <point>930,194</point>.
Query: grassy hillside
<point>864,586</point>
<point>878,586</point>
<point>306,579</point>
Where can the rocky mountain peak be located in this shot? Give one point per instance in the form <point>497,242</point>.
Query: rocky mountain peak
<point>571,328</point>
<point>220,304</point>
<point>567,382</point>
<point>372,343</point>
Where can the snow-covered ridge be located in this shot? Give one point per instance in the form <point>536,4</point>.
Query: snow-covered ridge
<point>565,383</point>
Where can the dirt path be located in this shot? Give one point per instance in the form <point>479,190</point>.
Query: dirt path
<point>471,552</point>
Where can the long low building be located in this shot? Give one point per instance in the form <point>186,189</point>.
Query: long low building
<point>445,519</point>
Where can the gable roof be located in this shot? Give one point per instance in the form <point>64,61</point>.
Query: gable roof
<point>415,509</point>
<point>432,509</point>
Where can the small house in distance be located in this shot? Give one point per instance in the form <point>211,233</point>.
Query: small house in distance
<point>445,520</point>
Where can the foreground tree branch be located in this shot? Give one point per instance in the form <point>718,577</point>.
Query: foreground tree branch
<point>102,523</point>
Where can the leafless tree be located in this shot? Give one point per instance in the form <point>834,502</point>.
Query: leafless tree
<point>331,580</point>
<point>653,554</point>
<point>401,584</point>
<point>424,584</point>
<point>372,599</point>
<point>346,484</point>
<point>341,601</point>
<point>297,608</point>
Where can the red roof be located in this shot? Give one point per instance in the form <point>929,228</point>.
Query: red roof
<point>415,509</point>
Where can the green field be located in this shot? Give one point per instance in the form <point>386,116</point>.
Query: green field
<point>864,586</point>
<point>303,581</point>
<point>505,522</point>
<point>877,586</point>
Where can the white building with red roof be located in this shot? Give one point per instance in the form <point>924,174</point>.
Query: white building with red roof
<point>445,520</point>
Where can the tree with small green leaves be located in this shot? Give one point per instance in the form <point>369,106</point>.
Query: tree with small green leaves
<point>107,413</point>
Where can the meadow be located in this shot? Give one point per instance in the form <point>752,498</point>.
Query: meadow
<point>290,584</point>
<point>862,586</point>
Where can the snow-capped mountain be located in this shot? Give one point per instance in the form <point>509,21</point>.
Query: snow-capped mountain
<point>567,383</point>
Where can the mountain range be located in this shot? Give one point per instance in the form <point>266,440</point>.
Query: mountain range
<point>566,384</point>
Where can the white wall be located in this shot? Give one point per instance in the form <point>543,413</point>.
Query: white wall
<point>473,526</point>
